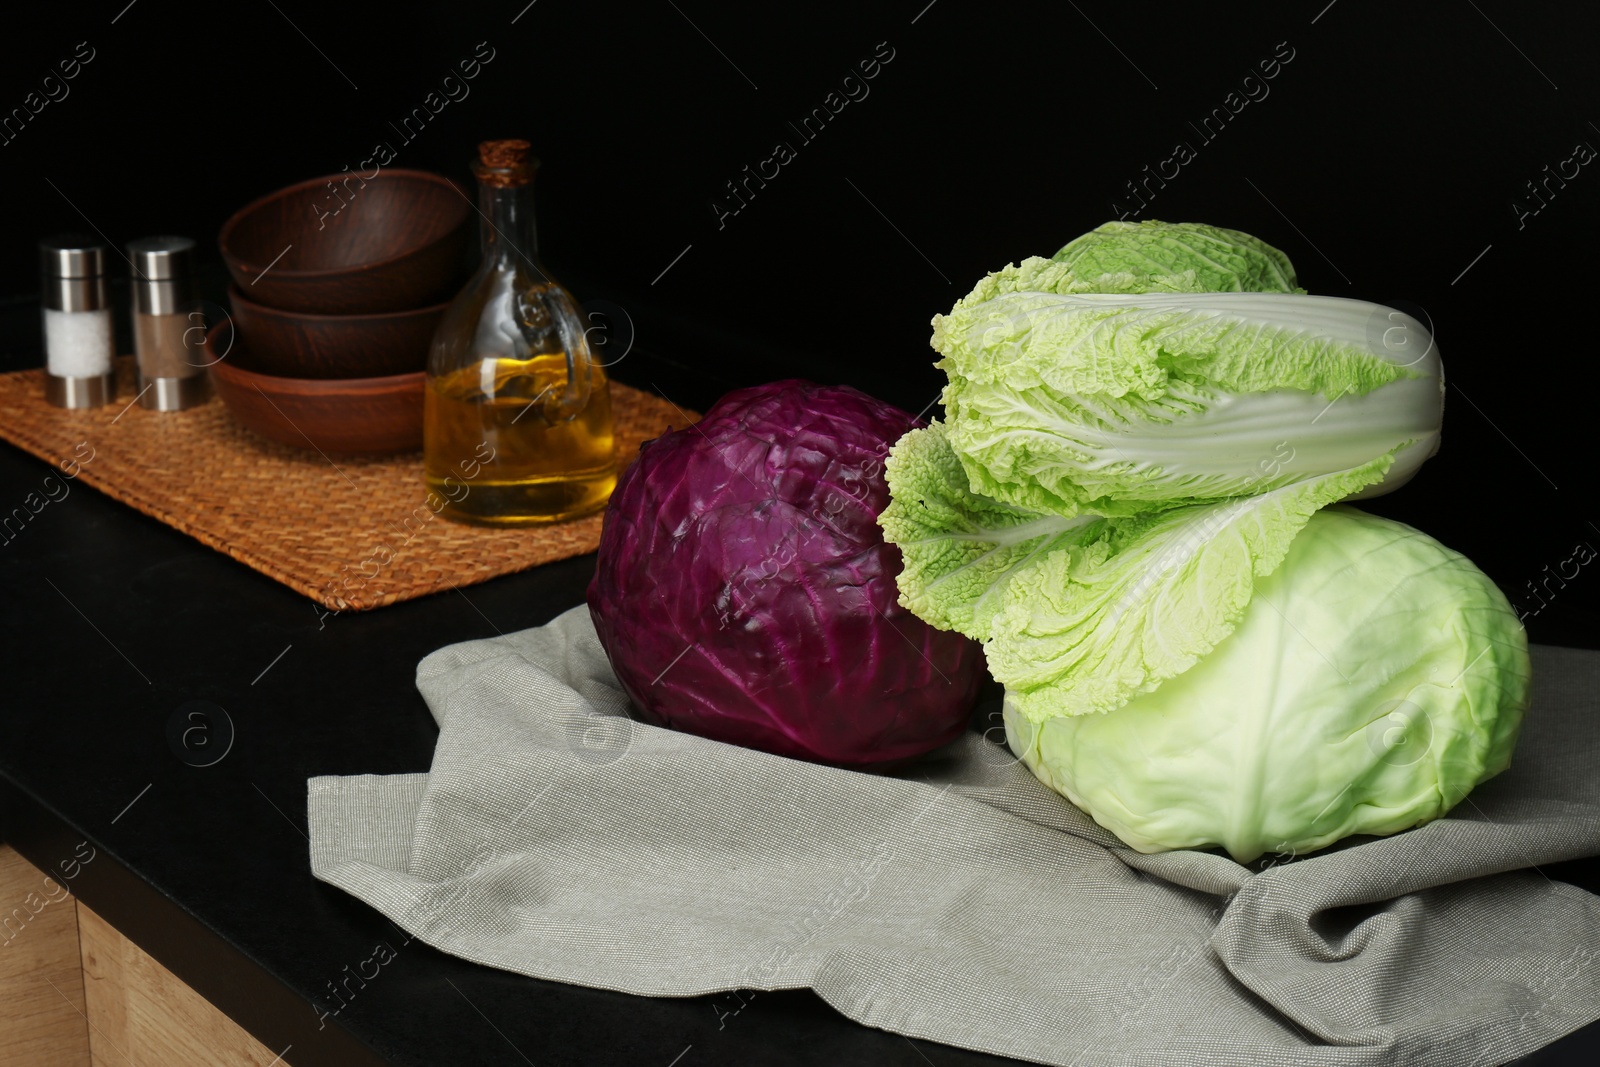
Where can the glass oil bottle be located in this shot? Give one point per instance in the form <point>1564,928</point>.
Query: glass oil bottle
<point>517,419</point>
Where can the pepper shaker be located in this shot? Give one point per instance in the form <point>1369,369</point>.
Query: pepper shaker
<point>165,315</point>
<point>78,340</point>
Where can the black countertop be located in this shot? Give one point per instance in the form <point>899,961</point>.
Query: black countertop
<point>114,622</point>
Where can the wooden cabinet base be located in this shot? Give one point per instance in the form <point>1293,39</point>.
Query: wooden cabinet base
<point>140,1012</point>
<point>42,1021</point>
<point>74,992</point>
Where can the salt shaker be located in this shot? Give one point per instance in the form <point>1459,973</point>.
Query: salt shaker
<point>78,339</point>
<point>167,326</point>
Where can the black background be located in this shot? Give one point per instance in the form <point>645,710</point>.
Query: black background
<point>1385,159</point>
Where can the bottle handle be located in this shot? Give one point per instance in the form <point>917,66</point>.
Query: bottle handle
<point>568,402</point>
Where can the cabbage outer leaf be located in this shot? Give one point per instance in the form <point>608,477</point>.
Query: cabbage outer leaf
<point>960,549</point>
<point>1154,256</point>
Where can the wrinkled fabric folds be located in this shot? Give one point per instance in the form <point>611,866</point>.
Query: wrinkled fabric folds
<point>962,901</point>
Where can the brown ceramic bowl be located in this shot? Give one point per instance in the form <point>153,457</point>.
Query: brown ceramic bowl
<point>344,245</point>
<point>298,344</point>
<point>334,415</point>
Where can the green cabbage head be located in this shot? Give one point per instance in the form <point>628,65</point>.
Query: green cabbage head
<point>1374,679</point>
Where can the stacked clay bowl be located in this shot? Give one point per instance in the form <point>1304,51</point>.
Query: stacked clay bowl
<point>338,285</point>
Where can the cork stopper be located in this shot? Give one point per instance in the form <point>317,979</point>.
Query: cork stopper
<point>505,163</point>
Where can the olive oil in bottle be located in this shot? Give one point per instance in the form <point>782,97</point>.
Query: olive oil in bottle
<point>517,420</point>
<point>541,470</point>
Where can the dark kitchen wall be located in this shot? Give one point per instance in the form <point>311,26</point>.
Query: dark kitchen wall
<point>1387,148</point>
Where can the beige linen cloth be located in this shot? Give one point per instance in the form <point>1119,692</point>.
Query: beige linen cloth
<point>961,901</point>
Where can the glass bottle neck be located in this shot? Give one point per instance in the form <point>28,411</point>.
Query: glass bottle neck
<point>507,228</point>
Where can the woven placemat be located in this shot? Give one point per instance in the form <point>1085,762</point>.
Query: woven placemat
<point>351,533</point>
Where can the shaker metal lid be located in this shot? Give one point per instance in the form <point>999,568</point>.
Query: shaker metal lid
<point>72,255</point>
<point>158,259</point>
